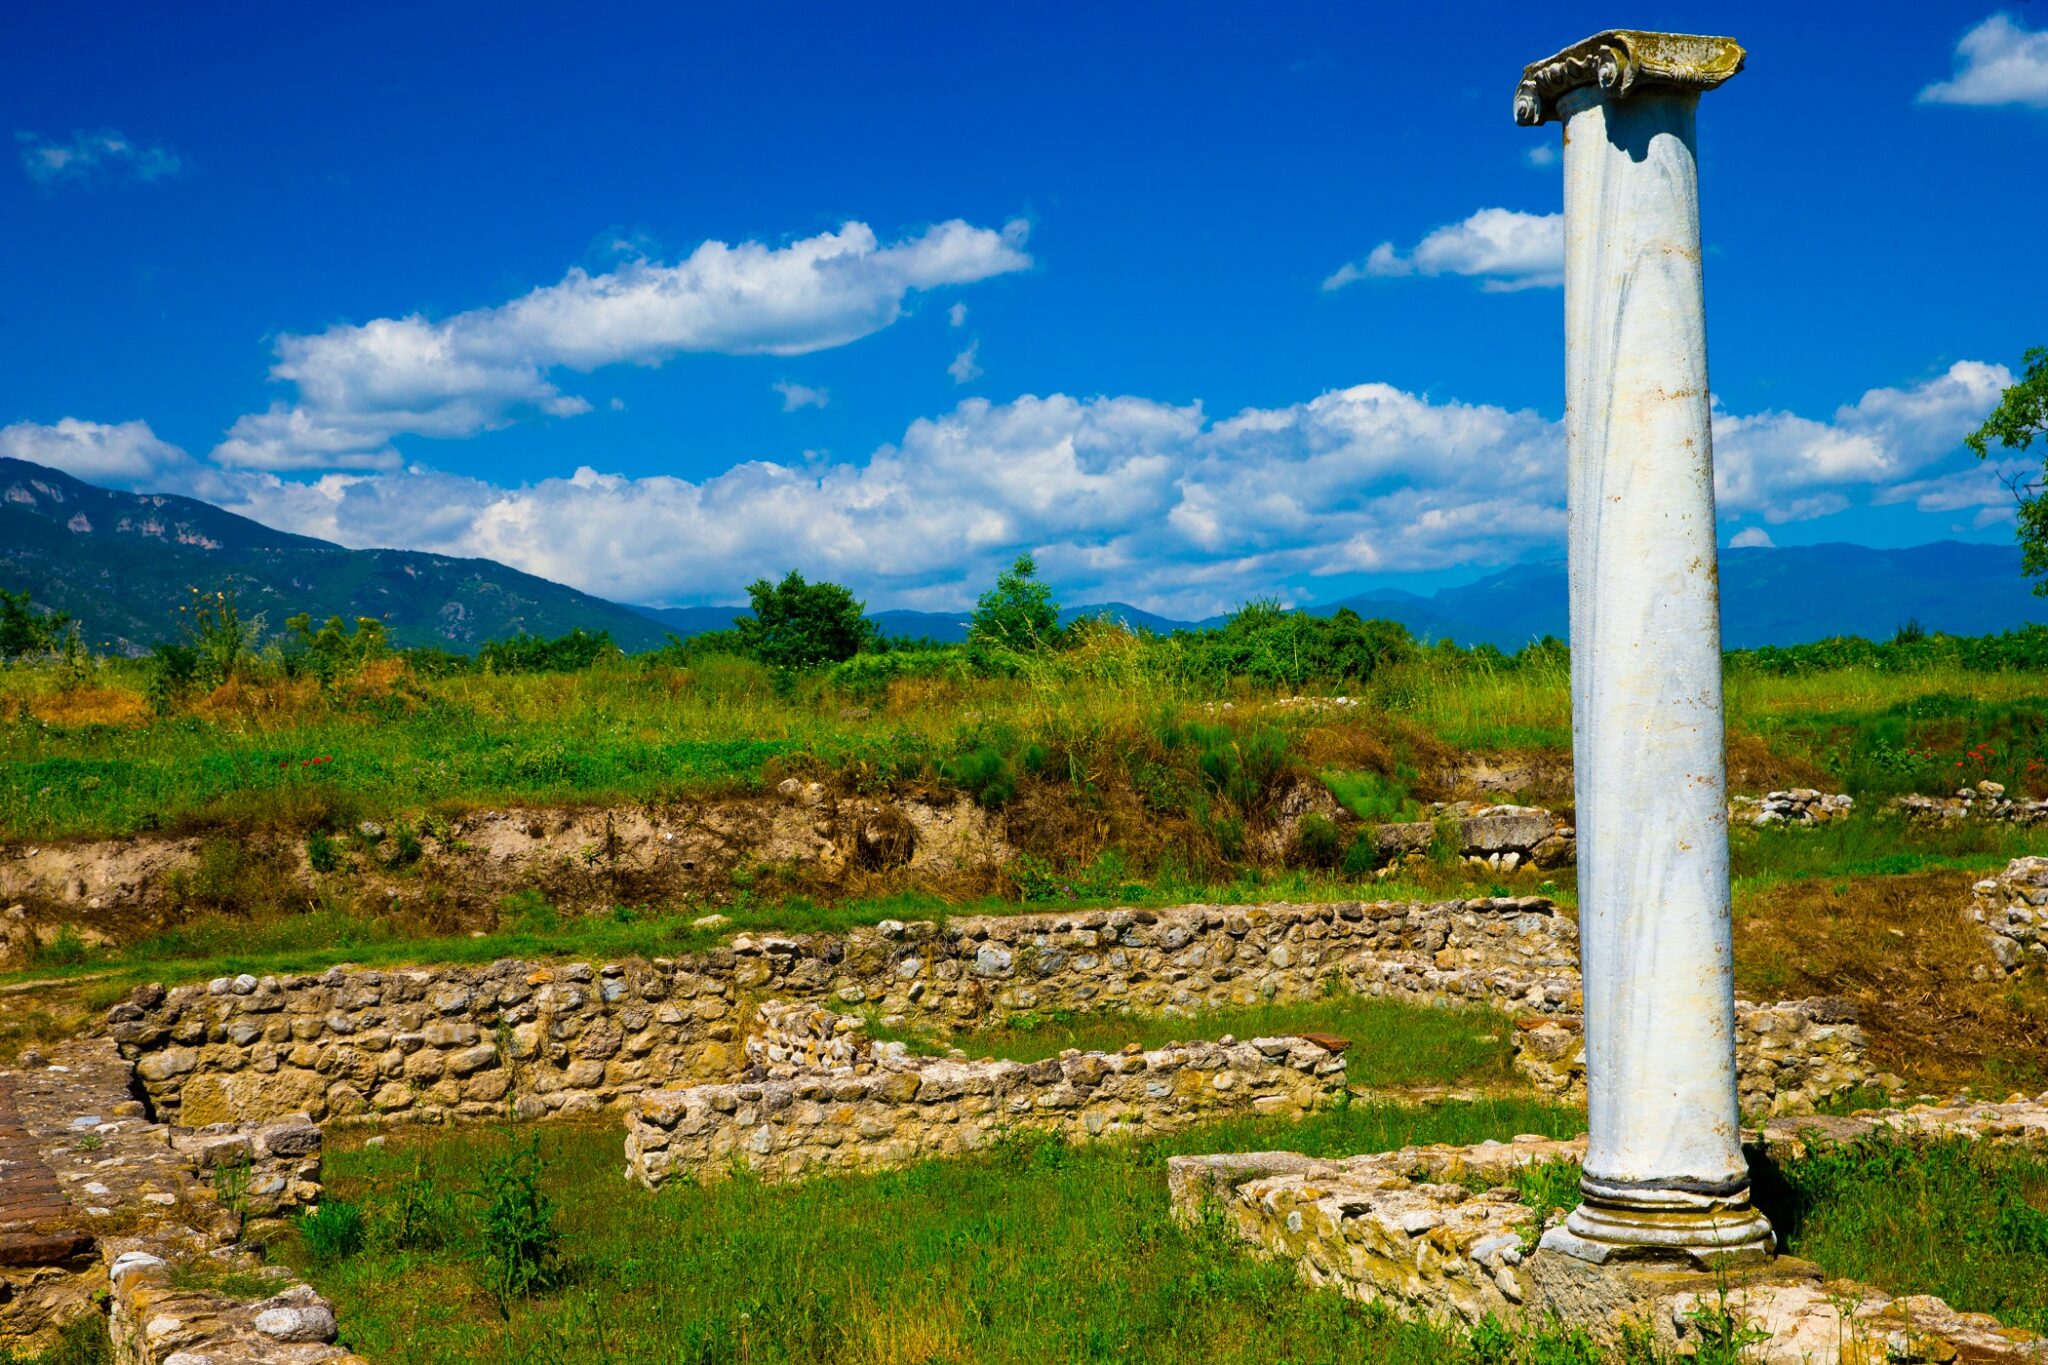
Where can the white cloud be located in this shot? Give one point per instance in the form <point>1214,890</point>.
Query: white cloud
<point>102,155</point>
<point>1543,154</point>
<point>796,395</point>
<point>1503,248</point>
<point>1997,62</point>
<point>99,452</point>
<point>1792,468</point>
<point>956,316</point>
<point>1756,537</point>
<point>360,386</point>
<point>964,367</point>
<point>1130,499</point>
<point>1119,497</point>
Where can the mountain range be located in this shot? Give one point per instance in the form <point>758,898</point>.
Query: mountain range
<point>122,563</point>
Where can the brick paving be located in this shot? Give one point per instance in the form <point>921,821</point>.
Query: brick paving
<point>38,1226</point>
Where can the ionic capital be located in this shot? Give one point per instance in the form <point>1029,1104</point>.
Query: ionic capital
<point>1622,61</point>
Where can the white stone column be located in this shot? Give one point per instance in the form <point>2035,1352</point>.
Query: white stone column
<point>1665,1174</point>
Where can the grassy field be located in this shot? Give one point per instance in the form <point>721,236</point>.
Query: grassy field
<point>1036,1252</point>
<point>89,756</point>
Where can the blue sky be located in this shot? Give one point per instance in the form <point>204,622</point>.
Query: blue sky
<point>1107,283</point>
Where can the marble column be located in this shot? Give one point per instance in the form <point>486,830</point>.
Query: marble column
<point>1664,1174</point>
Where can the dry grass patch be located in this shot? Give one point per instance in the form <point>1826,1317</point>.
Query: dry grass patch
<point>1902,949</point>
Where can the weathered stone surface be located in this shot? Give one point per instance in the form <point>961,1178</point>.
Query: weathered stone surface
<point>1438,1232</point>
<point>370,1047</point>
<point>2013,908</point>
<point>454,1042</point>
<point>1790,1057</point>
<point>1799,807</point>
<point>883,1107</point>
<point>1983,801</point>
<point>145,1201</point>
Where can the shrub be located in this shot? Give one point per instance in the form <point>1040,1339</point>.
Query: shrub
<point>517,1226</point>
<point>67,949</point>
<point>571,653</point>
<point>1317,841</point>
<point>985,774</point>
<point>527,912</point>
<point>322,853</point>
<point>405,845</point>
<point>333,1230</point>
<point>1018,613</point>
<point>24,630</point>
<point>335,650</point>
<point>423,1219</point>
<point>1361,855</point>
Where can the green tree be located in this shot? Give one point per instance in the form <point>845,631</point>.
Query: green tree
<point>798,625</point>
<point>334,651</point>
<point>24,630</point>
<point>1018,612</point>
<point>2021,415</point>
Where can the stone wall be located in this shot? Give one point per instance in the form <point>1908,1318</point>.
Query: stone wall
<point>1496,836</point>
<point>890,1108</point>
<point>479,1042</point>
<point>1790,1057</point>
<point>152,1216</point>
<point>1440,1233</point>
<point>1984,801</point>
<point>2013,908</point>
<point>1799,806</point>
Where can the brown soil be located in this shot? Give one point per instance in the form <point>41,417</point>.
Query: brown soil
<point>1902,950</point>
<point>1754,768</point>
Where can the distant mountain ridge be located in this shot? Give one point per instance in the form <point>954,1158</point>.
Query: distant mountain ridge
<point>120,564</point>
<point>1769,596</point>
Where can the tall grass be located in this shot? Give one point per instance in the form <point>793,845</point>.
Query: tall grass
<point>82,760</point>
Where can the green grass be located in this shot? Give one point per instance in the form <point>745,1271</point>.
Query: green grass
<point>1960,1219</point>
<point>1374,797</point>
<point>1872,843</point>
<point>83,1342</point>
<point>93,761</point>
<point>1035,1253</point>
<point>1392,1043</point>
<point>1040,1252</point>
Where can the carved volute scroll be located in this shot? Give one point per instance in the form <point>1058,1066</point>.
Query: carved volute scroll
<point>1622,61</point>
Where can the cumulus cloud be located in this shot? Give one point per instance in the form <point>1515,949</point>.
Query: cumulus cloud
<point>956,316</point>
<point>1119,497</point>
<point>1756,537</point>
<point>965,368</point>
<point>1136,500</point>
<point>1997,62</point>
<point>796,395</point>
<point>121,453</point>
<point>359,386</point>
<point>1504,249</point>
<point>103,155</point>
<point>1792,468</point>
<point>1543,154</point>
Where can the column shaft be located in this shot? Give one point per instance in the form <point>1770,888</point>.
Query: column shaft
<point>1665,1164</point>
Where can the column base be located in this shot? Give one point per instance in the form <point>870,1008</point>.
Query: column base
<point>1705,1230</point>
